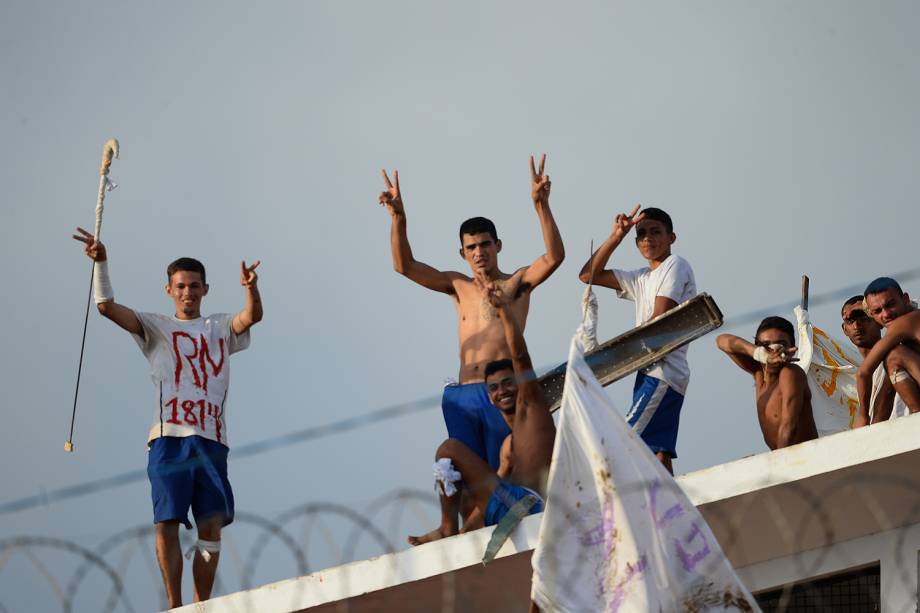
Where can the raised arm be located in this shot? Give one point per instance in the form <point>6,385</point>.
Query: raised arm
<point>102,287</point>
<point>740,351</point>
<point>252,312</point>
<point>528,387</point>
<point>547,263</point>
<point>593,271</point>
<point>403,261</point>
<point>793,385</point>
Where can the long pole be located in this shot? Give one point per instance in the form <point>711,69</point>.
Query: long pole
<point>109,151</point>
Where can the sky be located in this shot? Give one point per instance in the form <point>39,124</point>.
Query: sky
<point>782,137</point>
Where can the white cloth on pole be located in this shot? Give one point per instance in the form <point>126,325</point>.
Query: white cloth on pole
<point>831,367</point>
<point>618,534</point>
<point>588,329</point>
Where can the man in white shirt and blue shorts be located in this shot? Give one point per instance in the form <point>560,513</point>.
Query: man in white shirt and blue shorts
<point>187,443</point>
<point>666,282</point>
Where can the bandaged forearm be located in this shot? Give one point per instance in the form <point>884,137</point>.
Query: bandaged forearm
<point>102,285</point>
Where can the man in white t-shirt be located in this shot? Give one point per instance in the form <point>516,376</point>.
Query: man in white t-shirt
<point>187,443</point>
<point>666,282</point>
<point>865,332</point>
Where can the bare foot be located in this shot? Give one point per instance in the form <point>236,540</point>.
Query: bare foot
<point>435,535</point>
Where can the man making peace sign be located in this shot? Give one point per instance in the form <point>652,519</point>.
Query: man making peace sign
<point>469,414</point>
<point>189,356</point>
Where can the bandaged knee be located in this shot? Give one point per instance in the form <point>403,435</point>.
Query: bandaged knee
<point>898,376</point>
<point>205,547</point>
<point>102,285</point>
<point>447,476</point>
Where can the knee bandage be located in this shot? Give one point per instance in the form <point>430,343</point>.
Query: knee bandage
<point>205,547</point>
<point>102,286</point>
<point>447,475</point>
<point>898,376</point>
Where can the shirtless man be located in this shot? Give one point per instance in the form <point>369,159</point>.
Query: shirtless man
<point>898,350</point>
<point>783,397</point>
<point>468,412</point>
<point>865,332</point>
<point>513,388</point>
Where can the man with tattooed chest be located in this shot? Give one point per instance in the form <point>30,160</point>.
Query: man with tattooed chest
<point>468,413</point>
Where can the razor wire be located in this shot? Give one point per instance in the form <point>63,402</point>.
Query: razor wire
<point>113,557</point>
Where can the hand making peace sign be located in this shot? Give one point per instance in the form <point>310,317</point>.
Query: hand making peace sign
<point>624,223</point>
<point>391,198</point>
<point>248,276</point>
<point>539,182</point>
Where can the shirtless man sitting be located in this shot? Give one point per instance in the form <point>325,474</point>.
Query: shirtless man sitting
<point>783,397</point>
<point>899,349</point>
<point>514,390</point>
<point>468,412</point>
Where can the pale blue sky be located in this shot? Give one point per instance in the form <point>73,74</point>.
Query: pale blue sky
<point>782,137</point>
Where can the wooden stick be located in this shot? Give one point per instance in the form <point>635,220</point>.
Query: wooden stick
<point>805,292</point>
<point>109,151</point>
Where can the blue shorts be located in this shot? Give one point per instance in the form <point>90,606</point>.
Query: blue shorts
<point>655,414</point>
<point>185,472</point>
<point>472,419</point>
<point>503,498</point>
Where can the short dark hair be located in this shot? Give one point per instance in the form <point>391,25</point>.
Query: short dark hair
<point>186,265</point>
<point>478,225</point>
<point>496,365</point>
<point>851,300</point>
<point>659,215</point>
<point>881,284</point>
<point>775,322</point>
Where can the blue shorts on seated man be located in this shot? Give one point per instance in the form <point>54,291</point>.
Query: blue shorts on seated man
<point>504,496</point>
<point>189,472</point>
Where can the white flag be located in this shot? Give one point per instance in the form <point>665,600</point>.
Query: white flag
<point>618,534</point>
<point>831,368</point>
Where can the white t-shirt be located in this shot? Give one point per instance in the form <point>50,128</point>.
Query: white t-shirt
<point>898,408</point>
<point>191,372</point>
<point>672,279</point>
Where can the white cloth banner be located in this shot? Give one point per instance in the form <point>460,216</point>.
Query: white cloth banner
<point>831,370</point>
<point>618,534</point>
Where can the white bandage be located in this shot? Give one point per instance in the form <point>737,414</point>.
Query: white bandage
<point>898,376</point>
<point>445,473</point>
<point>102,286</point>
<point>762,354</point>
<point>205,547</point>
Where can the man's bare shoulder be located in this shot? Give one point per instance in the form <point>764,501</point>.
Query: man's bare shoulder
<point>792,375</point>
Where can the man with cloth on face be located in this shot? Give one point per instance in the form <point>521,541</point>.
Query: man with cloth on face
<point>783,397</point>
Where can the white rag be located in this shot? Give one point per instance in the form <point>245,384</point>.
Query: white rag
<point>618,534</point>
